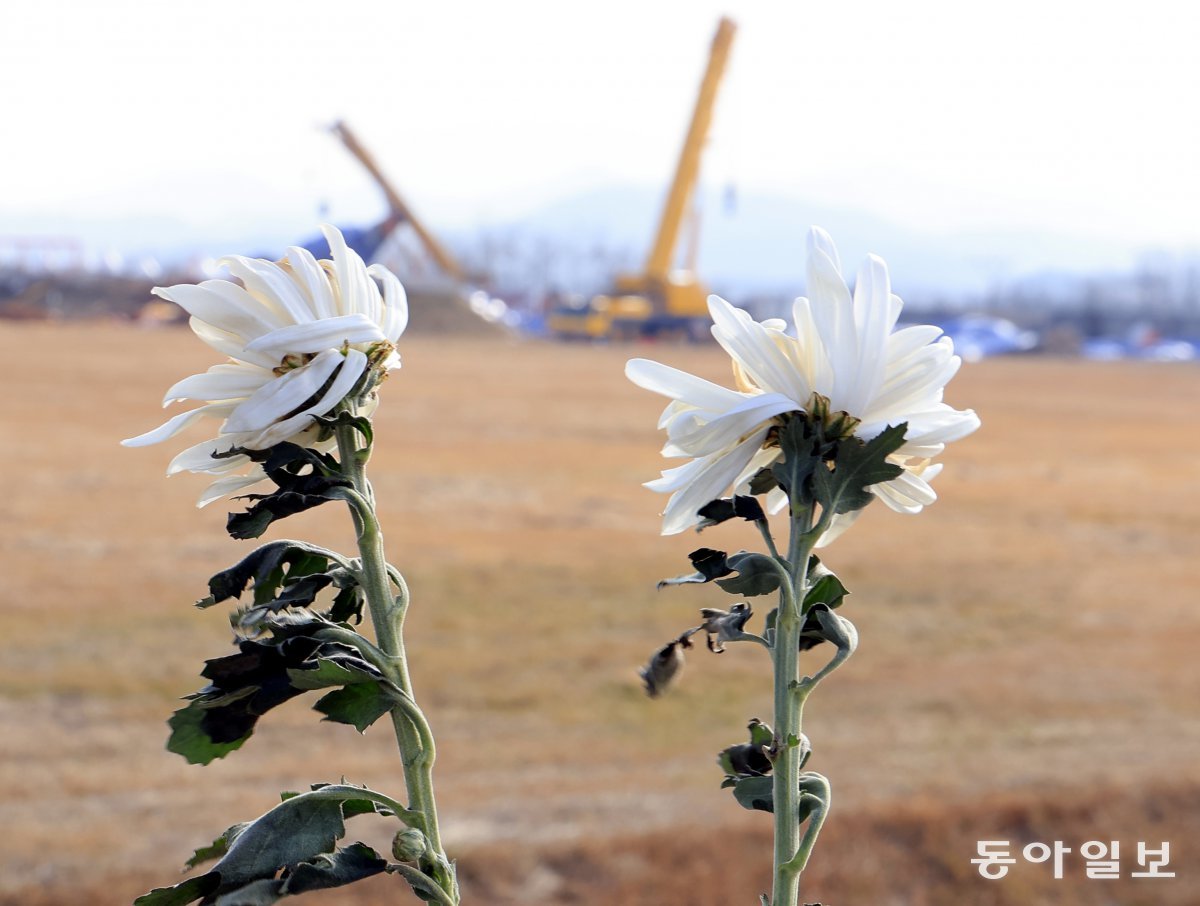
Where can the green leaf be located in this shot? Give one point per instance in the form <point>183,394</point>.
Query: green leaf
<point>724,509</point>
<point>189,738</point>
<point>360,423</point>
<point>288,851</point>
<point>836,629</point>
<point>856,466</point>
<point>763,482</point>
<point>803,452</point>
<point>347,605</point>
<point>262,675</point>
<point>349,864</point>
<point>329,671</point>
<point>755,575</point>
<point>295,830</point>
<point>217,848</point>
<point>745,760</point>
<point>709,565</point>
<point>755,793</point>
<point>825,587</point>
<point>748,759</point>
<point>264,567</point>
<point>263,892</point>
<point>183,893</point>
<point>761,734</point>
<point>304,479</point>
<point>359,705</point>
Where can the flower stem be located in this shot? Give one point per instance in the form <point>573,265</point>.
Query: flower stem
<point>387,609</point>
<point>789,705</point>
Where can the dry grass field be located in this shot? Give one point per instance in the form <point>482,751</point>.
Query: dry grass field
<point>1027,667</point>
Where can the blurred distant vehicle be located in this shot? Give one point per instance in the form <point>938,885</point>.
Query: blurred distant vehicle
<point>979,337</point>
<point>1142,342</point>
<point>660,299</point>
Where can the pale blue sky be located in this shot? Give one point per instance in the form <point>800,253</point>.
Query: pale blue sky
<point>1062,116</point>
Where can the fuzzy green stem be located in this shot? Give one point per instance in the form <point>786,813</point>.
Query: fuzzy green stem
<point>417,879</point>
<point>789,704</point>
<point>816,819</point>
<point>387,609</point>
<point>342,792</point>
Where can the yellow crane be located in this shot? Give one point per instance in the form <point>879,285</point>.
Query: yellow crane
<point>660,298</point>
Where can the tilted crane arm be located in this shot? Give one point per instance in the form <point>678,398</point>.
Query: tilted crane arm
<point>399,209</point>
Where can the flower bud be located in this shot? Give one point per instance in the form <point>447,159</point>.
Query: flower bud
<point>409,845</point>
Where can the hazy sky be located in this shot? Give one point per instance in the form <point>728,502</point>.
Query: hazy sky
<point>1068,116</point>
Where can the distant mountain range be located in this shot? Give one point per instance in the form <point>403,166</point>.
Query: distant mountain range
<point>753,243</point>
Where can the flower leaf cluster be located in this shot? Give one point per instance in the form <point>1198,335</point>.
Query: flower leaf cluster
<point>290,850</point>
<point>295,656</point>
<point>828,413</point>
<point>308,344</point>
<point>284,574</point>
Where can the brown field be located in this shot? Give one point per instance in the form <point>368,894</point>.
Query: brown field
<point>1027,668</point>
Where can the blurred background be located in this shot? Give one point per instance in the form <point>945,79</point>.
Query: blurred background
<point>1026,162</point>
<point>559,186</point>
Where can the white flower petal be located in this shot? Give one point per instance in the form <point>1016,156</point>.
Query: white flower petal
<point>309,275</point>
<point>395,302</point>
<point>317,336</point>
<point>358,293</point>
<point>875,313</point>
<point>352,368</point>
<point>808,352</point>
<point>755,349</point>
<point>230,344</point>
<point>679,385</point>
<point>224,305</point>
<point>907,488</point>
<point>174,425</point>
<point>907,340</point>
<point>223,487</point>
<point>272,286</point>
<point>777,500</point>
<point>220,382</point>
<point>819,240</point>
<point>765,457</point>
<point>832,307</point>
<point>919,383</point>
<point>941,426</point>
<point>699,436</point>
<point>281,397</point>
<point>200,458</point>
<point>708,482</point>
<point>838,525</point>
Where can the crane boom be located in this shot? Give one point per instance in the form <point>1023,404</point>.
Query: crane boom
<point>396,204</point>
<point>687,172</point>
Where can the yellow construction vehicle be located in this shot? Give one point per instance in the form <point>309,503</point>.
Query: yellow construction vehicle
<point>660,299</point>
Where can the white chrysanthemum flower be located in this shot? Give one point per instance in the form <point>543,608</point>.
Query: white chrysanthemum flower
<point>847,350</point>
<point>300,334</point>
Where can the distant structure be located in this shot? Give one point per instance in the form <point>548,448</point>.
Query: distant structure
<point>441,299</point>
<point>41,254</point>
<point>660,298</point>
